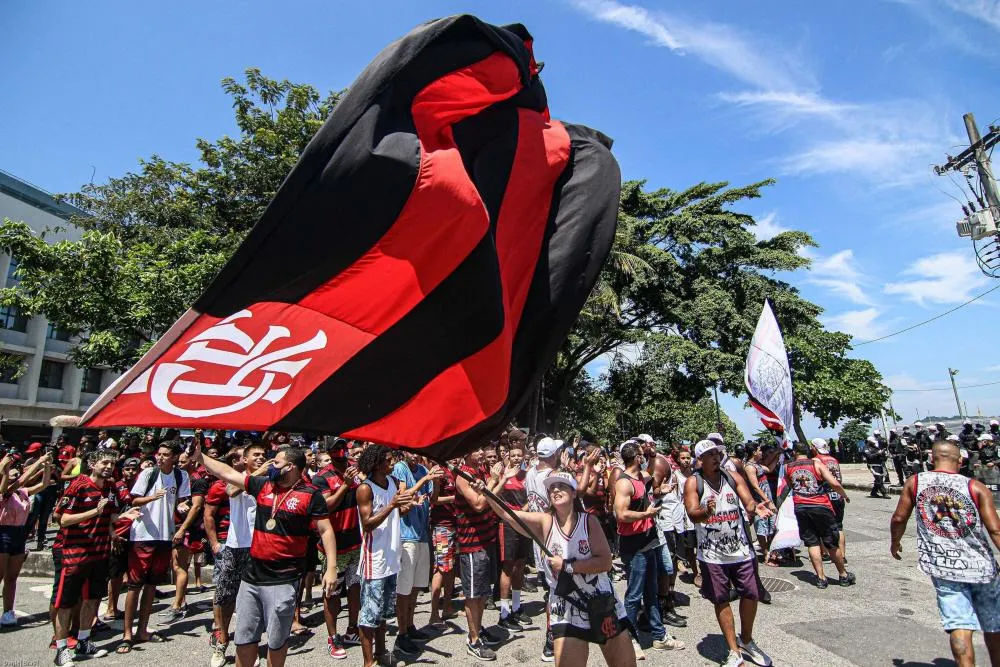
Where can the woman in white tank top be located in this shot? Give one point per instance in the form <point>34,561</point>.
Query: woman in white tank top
<point>578,546</point>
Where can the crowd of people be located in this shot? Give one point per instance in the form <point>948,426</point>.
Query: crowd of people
<point>375,527</point>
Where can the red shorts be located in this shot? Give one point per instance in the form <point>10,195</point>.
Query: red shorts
<point>149,563</point>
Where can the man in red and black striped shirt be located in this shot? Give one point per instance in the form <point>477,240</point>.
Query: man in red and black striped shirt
<point>339,483</point>
<point>476,529</point>
<point>288,510</point>
<point>86,510</point>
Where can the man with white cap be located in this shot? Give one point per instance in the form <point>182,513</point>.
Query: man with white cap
<point>821,452</point>
<point>713,498</point>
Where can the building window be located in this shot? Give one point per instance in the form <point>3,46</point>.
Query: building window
<point>51,376</point>
<point>8,374</point>
<point>11,318</point>
<point>12,269</point>
<point>55,333</point>
<point>92,381</point>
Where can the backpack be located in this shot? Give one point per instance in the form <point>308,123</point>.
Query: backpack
<point>151,482</point>
<point>700,481</point>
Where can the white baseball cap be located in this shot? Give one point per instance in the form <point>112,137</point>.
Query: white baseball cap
<point>705,446</point>
<point>994,422</point>
<point>546,447</point>
<point>820,445</point>
<point>646,438</point>
<point>953,438</point>
<point>871,439</point>
<point>932,428</point>
<point>716,438</point>
<point>918,424</point>
<point>984,437</point>
<point>559,478</point>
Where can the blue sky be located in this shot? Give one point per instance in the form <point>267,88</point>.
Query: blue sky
<point>846,104</point>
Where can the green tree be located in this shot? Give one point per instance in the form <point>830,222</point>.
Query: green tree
<point>154,239</point>
<point>690,281</point>
<point>852,432</point>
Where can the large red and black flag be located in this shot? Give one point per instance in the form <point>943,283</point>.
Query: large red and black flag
<point>415,273</point>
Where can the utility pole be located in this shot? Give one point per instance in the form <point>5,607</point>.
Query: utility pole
<point>951,376</point>
<point>982,162</point>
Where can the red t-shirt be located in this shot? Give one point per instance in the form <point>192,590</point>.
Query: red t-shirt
<point>218,498</point>
<point>344,517</point>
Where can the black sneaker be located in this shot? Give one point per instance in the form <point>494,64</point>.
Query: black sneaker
<point>481,651</point>
<point>548,653</point>
<point>406,646</point>
<point>417,635</point>
<point>88,649</point>
<point>488,638</point>
<point>491,605</point>
<point>522,619</point>
<point>529,587</point>
<point>822,583</point>
<point>509,624</point>
<point>670,618</point>
<point>848,579</point>
<point>765,596</point>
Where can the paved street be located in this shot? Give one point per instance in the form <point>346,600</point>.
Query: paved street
<point>889,618</point>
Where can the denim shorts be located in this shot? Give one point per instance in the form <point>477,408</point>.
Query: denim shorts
<point>968,606</point>
<point>378,601</point>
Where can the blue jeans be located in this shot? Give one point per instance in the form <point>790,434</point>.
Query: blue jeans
<point>642,572</point>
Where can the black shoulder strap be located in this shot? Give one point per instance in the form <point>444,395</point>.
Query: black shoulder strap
<point>151,482</point>
<point>177,479</point>
<point>700,482</point>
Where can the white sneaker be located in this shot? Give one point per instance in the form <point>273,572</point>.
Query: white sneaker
<point>639,655</point>
<point>8,619</point>
<point>219,655</point>
<point>734,660</point>
<point>753,653</point>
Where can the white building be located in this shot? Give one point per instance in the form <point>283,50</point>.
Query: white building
<point>50,385</point>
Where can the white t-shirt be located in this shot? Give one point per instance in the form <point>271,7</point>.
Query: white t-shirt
<point>157,521</point>
<point>242,514</point>
<point>382,547</point>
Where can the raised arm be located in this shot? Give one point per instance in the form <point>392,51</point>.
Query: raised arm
<point>219,469</point>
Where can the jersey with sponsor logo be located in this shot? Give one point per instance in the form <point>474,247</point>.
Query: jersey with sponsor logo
<point>88,540</point>
<point>278,551</point>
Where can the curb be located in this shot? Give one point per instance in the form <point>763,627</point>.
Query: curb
<point>855,486</point>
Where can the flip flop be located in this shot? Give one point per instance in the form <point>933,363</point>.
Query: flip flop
<point>124,646</point>
<point>154,638</point>
<point>302,632</point>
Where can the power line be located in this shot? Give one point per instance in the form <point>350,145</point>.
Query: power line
<point>966,386</point>
<point>928,321</point>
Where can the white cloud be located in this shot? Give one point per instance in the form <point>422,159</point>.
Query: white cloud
<point>840,274</point>
<point>944,278</point>
<point>889,142</point>
<point>719,45</point>
<point>987,11</point>
<point>861,324</point>
<point>767,228</point>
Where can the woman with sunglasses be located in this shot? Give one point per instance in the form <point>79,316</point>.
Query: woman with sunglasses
<point>579,549</point>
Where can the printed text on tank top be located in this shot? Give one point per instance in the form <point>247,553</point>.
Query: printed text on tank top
<point>807,486</point>
<point>951,539</point>
<point>721,537</point>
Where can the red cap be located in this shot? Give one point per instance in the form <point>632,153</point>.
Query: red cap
<point>34,448</point>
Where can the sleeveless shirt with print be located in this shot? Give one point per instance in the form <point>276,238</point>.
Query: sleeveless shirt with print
<point>951,539</point>
<point>722,538</point>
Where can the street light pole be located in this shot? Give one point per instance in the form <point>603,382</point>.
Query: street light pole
<point>951,375</point>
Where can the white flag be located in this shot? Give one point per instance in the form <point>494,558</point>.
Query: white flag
<point>768,379</point>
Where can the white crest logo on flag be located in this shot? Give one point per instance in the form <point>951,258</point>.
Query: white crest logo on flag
<point>168,381</point>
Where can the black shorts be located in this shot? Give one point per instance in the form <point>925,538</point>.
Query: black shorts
<point>57,571</point>
<point>838,511</point>
<point>513,545</point>
<point>479,572</point>
<point>12,540</point>
<point>817,525</point>
<point>312,554</point>
<point>118,563</point>
<point>87,581</point>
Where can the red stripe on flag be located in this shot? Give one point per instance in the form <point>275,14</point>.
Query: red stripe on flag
<point>444,218</point>
<point>467,392</point>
